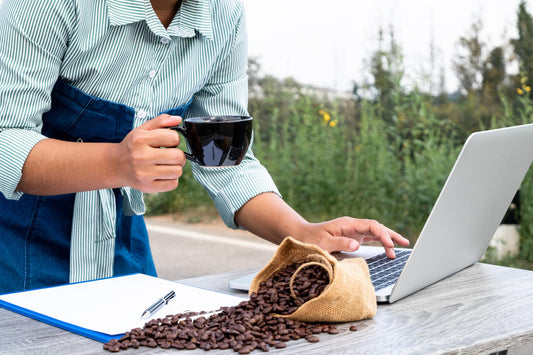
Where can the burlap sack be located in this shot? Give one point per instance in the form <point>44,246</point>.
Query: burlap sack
<point>348,297</point>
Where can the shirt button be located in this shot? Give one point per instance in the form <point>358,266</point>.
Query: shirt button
<point>141,114</point>
<point>152,73</point>
<point>164,40</point>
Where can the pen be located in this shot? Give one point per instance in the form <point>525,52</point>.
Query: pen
<point>158,304</point>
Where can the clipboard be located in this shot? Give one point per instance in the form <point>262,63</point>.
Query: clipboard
<point>107,308</point>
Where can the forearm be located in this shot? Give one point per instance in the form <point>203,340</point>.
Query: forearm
<point>57,167</point>
<point>270,218</point>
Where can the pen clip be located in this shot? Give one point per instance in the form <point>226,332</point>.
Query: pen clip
<point>169,296</point>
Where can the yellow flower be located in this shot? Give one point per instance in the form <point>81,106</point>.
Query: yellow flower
<point>519,91</point>
<point>357,148</point>
<point>527,88</point>
<point>332,123</point>
<point>401,117</point>
<point>321,112</point>
<point>327,117</point>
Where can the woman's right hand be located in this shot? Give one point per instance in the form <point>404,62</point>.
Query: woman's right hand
<point>142,161</point>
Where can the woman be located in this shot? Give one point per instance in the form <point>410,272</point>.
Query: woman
<point>87,89</point>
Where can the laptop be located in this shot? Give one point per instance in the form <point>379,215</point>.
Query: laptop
<point>469,209</point>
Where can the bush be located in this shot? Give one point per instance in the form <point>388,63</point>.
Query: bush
<point>332,157</point>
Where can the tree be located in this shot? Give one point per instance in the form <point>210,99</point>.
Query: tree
<point>387,70</point>
<point>469,65</point>
<point>493,76</point>
<point>523,45</point>
<point>385,66</point>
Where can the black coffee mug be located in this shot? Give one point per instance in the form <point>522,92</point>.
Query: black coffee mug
<point>216,140</point>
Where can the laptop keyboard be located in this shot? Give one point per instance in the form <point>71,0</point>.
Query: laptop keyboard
<point>384,271</point>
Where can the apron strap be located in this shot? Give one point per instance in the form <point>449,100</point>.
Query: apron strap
<point>76,116</point>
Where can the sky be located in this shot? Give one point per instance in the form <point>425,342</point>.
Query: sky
<point>326,43</point>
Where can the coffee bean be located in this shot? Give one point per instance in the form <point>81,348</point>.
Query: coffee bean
<point>246,349</point>
<point>333,331</point>
<point>280,345</point>
<point>190,346</point>
<point>248,326</point>
<point>316,330</point>
<point>151,344</point>
<point>312,338</point>
<point>353,328</point>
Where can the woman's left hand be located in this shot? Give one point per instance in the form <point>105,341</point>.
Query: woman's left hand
<point>347,234</point>
<point>269,217</point>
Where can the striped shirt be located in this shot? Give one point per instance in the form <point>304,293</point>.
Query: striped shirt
<point>118,50</point>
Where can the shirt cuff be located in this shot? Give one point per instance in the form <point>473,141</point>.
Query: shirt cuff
<point>15,145</point>
<point>232,187</point>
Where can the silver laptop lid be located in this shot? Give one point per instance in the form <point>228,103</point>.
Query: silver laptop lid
<point>471,205</point>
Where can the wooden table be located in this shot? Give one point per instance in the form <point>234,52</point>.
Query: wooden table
<point>482,309</point>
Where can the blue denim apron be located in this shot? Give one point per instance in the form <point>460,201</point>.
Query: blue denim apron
<point>35,231</point>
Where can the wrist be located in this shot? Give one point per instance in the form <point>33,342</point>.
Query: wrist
<point>302,231</point>
<point>112,165</point>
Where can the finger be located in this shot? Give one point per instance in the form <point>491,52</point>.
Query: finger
<point>395,237</point>
<point>158,174</point>
<point>391,236</point>
<point>381,232</point>
<point>161,121</point>
<point>384,235</point>
<point>168,156</point>
<point>334,244</point>
<point>390,253</point>
<point>158,138</point>
<point>162,185</point>
<point>399,239</point>
<point>387,239</point>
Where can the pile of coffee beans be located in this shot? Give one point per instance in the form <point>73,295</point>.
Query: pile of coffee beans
<point>251,325</point>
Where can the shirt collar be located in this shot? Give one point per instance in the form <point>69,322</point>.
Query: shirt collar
<point>194,15</point>
<point>122,12</point>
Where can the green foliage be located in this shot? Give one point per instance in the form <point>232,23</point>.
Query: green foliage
<point>523,45</point>
<point>385,152</point>
<point>469,63</point>
<point>526,192</point>
<point>526,212</point>
<point>328,161</point>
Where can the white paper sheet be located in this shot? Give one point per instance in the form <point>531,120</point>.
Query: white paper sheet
<point>114,305</point>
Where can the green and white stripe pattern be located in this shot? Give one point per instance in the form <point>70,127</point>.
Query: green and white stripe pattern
<point>118,50</point>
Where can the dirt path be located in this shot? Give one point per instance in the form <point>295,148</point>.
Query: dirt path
<point>183,250</point>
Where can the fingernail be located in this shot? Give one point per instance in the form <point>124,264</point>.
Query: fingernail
<point>353,245</point>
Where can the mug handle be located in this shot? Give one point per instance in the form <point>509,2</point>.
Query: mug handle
<point>183,132</point>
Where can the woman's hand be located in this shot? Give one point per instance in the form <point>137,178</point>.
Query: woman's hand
<point>55,167</point>
<point>143,163</point>
<point>347,234</point>
<point>269,217</point>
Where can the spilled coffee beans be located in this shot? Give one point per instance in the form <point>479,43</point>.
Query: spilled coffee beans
<point>251,325</point>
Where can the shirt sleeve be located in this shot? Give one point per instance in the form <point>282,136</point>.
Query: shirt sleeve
<point>226,93</point>
<point>33,37</point>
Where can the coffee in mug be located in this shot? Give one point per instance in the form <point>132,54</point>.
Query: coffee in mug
<point>216,140</point>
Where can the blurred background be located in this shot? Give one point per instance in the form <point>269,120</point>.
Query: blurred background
<point>329,44</point>
<point>361,109</point>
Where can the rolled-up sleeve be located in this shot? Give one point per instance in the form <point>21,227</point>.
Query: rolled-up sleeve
<point>31,47</point>
<point>227,94</point>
